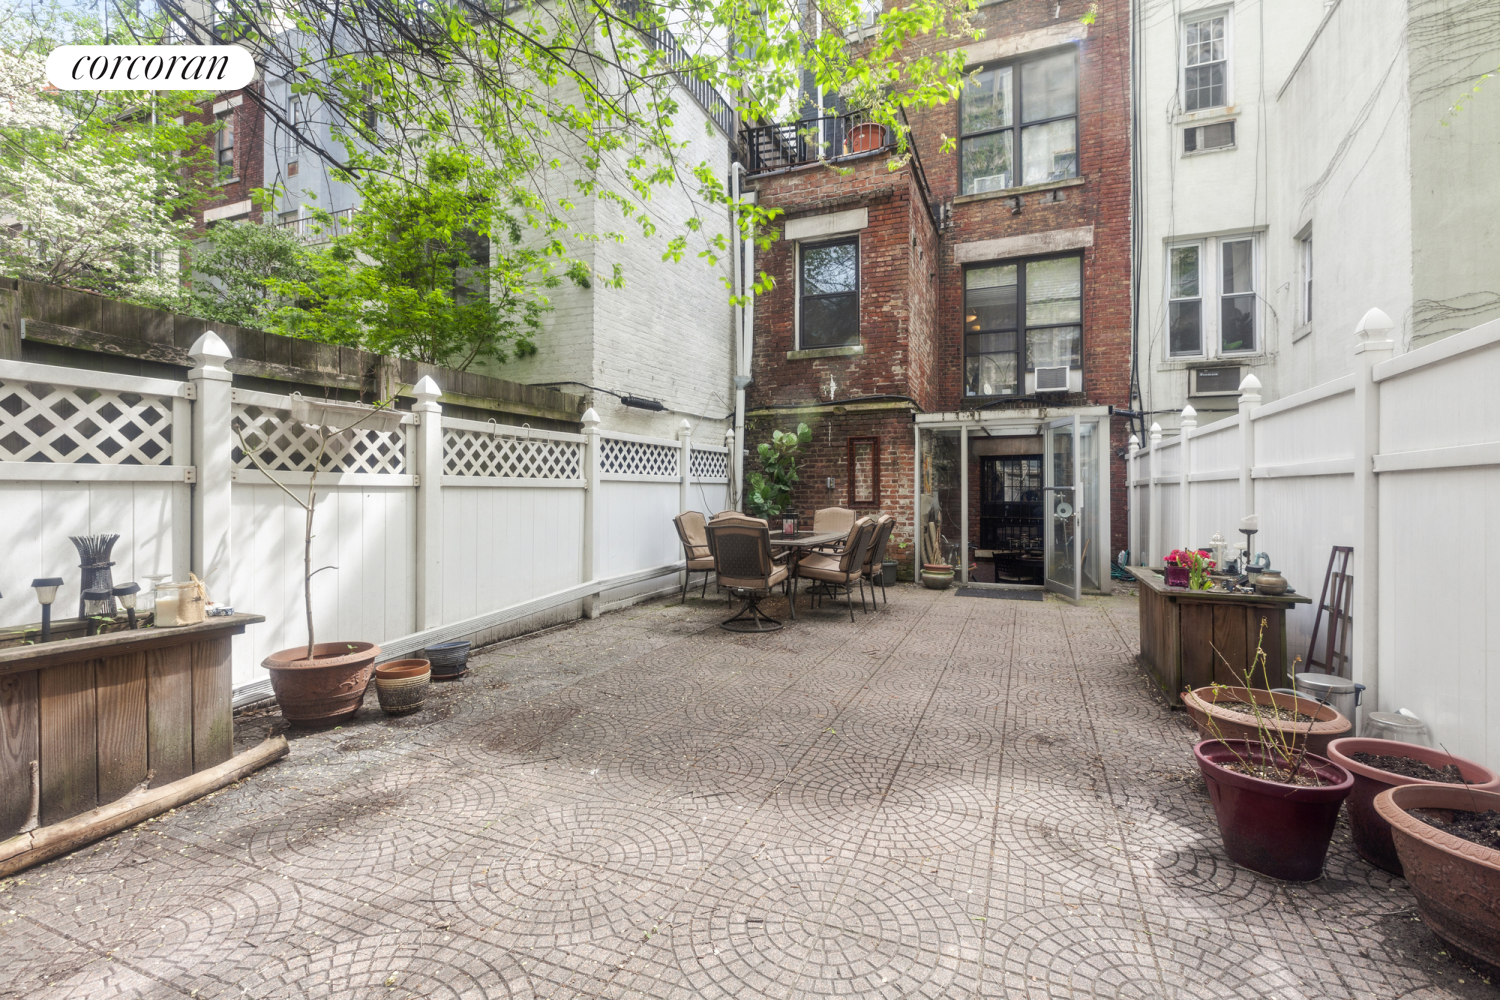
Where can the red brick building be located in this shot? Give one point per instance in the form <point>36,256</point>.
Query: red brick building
<point>239,156</point>
<point>956,330</point>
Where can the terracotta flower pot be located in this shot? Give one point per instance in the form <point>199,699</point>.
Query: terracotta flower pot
<point>1268,827</point>
<point>1372,834</point>
<point>937,576</point>
<point>1456,881</point>
<point>401,685</point>
<point>866,136</point>
<point>1230,724</point>
<point>325,690</point>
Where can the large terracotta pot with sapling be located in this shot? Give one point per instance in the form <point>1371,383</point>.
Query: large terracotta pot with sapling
<point>315,683</point>
<point>1381,764</point>
<point>1448,840</point>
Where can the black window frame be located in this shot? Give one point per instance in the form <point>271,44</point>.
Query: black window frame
<point>802,296</point>
<point>1023,361</point>
<point>1017,125</point>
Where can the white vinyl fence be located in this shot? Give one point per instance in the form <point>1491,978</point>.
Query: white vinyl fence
<point>437,529</point>
<point>1400,460</point>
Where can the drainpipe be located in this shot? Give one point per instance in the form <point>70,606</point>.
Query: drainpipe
<point>744,335</point>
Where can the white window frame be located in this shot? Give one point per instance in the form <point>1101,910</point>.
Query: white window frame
<point>1210,292</point>
<point>1193,17</point>
<point>1305,253</point>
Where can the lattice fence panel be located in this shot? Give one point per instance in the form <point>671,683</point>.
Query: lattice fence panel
<point>287,445</point>
<point>637,458</point>
<point>76,426</point>
<point>709,464</point>
<point>502,456</point>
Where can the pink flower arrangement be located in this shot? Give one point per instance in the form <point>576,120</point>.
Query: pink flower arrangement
<point>1196,562</point>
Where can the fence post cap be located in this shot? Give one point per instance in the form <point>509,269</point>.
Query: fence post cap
<point>1375,325</point>
<point>426,389</point>
<point>1134,441</point>
<point>209,350</point>
<point>590,419</point>
<point>1155,432</point>
<point>685,427</point>
<point>729,434</point>
<point>1188,413</point>
<point>1249,384</point>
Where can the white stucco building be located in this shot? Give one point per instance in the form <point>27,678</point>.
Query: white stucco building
<point>1297,163</point>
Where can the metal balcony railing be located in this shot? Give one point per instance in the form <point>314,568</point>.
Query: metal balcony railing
<point>773,147</point>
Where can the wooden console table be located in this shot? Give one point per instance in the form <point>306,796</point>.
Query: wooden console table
<point>97,713</point>
<point>1180,630</point>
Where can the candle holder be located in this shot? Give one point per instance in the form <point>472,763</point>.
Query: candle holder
<point>94,560</point>
<point>46,593</point>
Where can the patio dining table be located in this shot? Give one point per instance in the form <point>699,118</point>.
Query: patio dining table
<point>803,541</point>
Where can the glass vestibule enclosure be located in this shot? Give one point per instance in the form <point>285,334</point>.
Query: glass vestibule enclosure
<point>1015,500</point>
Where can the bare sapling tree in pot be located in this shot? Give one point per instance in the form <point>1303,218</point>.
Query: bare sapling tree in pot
<point>319,683</point>
<point>1276,802</point>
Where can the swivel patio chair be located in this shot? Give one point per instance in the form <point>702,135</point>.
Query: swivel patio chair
<point>841,568</point>
<point>744,562</point>
<point>690,529</point>
<point>875,557</point>
<point>840,519</point>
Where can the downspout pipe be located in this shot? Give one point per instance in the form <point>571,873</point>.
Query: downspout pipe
<point>744,279</point>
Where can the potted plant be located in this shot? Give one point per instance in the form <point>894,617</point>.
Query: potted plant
<point>937,576</point>
<point>1187,568</point>
<point>1276,803</point>
<point>320,683</point>
<point>1381,764</point>
<point>1448,840</point>
<point>401,685</point>
<point>770,491</point>
<point>1223,711</point>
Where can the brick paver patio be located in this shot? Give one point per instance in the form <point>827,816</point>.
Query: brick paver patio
<point>953,798</point>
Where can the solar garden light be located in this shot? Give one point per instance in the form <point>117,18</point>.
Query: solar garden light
<point>46,593</point>
<point>95,603</point>
<point>126,592</point>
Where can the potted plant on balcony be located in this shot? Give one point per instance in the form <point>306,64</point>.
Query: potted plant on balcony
<point>1381,764</point>
<point>320,683</point>
<point>1448,840</point>
<point>1276,803</point>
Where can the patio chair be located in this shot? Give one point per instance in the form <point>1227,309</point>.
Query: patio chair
<point>839,519</point>
<point>743,561</point>
<point>875,556</point>
<point>842,567</point>
<point>691,530</point>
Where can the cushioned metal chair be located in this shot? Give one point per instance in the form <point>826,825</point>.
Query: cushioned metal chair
<point>690,529</point>
<point>875,556</point>
<point>744,562</point>
<point>841,568</point>
<point>839,519</point>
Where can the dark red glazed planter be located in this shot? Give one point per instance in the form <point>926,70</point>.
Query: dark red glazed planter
<point>323,691</point>
<point>1456,881</point>
<point>1372,834</point>
<point>1278,830</point>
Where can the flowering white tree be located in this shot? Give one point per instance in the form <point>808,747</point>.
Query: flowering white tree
<point>87,198</point>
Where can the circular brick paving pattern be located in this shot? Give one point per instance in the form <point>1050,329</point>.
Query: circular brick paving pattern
<point>428,964</point>
<point>788,924</point>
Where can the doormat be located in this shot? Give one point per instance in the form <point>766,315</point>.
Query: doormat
<point>1004,595</point>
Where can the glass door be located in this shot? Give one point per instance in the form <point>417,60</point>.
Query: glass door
<point>1060,499</point>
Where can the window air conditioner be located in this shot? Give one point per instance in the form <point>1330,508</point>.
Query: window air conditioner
<point>1052,379</point>
<point>1219,381</point>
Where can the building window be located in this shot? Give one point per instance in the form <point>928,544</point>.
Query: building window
<point>1307,275</point>
<point>1020,317</point>
<point>1001,148</point>
<point>828,295</point>
<point>291,148</point>
<point>1219,135</point>
<point>224,144</point>
<point>1193,279</point>
<point>1205,64</point>
<point>864,472</point>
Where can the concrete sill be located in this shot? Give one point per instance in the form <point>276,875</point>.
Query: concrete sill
<point>1305,330</point>
<point>1208,116</point>
<point>964,199</point>
<point>826,352</point>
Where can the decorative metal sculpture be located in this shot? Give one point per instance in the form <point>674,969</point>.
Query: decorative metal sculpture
<point>94,555</point>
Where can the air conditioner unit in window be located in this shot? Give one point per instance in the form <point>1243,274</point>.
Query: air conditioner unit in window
<point>1220,381</point>
<point>1052,379</point>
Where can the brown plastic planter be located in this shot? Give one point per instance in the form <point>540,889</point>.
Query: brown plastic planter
<point>1456,881</point>
<point>1328,724</point>
<point>325,690</point>
<point>1278,830</point>
<point>401,685</point>
<point>1372,834</point>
